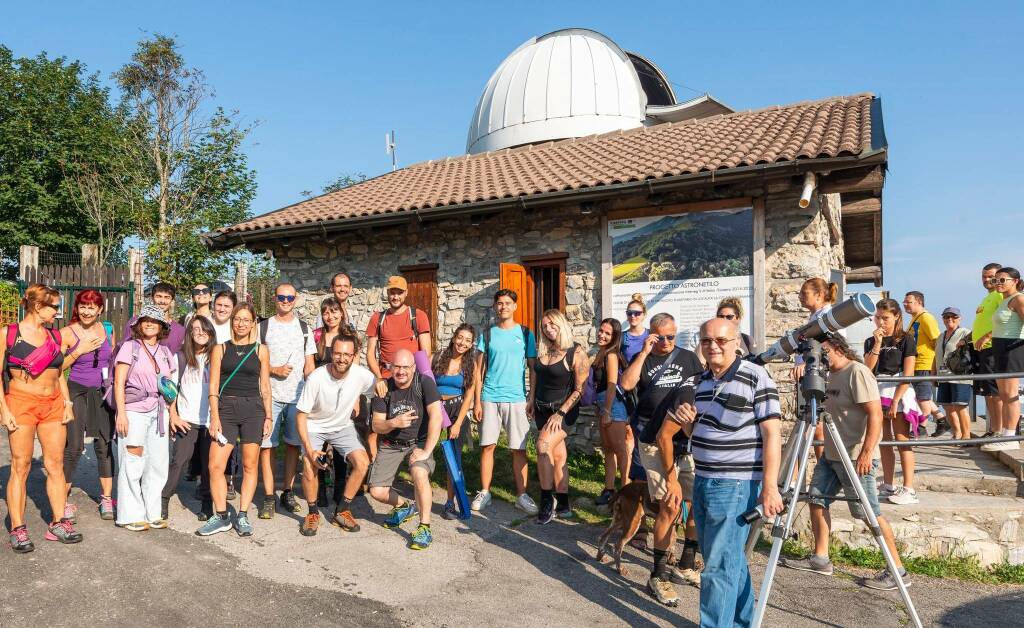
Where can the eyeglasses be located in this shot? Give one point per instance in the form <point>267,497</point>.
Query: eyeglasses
<point>728,317</point>
<point>632,313</point>
<point>721,342</point>
<point>242,319</point>
<point>285,298</point>
<point>666,338</point>
<point>198,291</point>
<point>346,356</point>
<point>401,367</point>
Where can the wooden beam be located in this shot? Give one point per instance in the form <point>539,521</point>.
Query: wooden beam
<point>858,205</point>
<point>876,225</point>
<point>682,208</point>
<point>865,274</point>
<point>854,180</point>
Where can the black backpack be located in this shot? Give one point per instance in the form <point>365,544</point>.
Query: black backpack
<point>412,323</point>
<point>265,325</point>
<point>487,340</point>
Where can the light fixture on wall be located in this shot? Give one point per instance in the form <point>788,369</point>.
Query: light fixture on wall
<point>587,208</point>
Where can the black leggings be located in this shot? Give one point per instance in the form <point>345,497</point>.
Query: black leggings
<point>75,447</point>
<point>194,443</point>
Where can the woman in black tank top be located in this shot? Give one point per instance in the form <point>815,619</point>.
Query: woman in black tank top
<point>239,411</point>
<point>561,372</point>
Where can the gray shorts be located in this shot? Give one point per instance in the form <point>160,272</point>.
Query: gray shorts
<point>510,416</point>
<point>389,458</point>
<point>829,476</point>
<point>344,441</point>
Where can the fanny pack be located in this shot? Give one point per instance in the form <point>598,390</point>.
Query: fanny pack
<point>40,358</point>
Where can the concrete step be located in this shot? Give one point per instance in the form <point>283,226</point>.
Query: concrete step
<point>953,469</point>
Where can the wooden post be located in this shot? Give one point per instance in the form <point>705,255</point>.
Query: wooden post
<point>28,263</point>
<point>90,255</point>
<point>135,276</point>
<point>241,280</point>
<point>759,300</point>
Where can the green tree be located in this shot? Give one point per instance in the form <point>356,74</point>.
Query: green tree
<point>56,123</point>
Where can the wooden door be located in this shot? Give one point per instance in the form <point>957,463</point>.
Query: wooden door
<point>517,278</point>
<point>423,294</point>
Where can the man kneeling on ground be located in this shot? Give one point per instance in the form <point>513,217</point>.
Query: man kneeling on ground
<point>399,419</point>
<point>324,417</point>
<point>853,401</point>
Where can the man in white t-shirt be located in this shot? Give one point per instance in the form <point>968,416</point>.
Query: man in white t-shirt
<point>291,345</point>
<point>324,418</point>
<point>223,304</point>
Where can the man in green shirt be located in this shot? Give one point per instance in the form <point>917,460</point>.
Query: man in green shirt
<point>986,361</point>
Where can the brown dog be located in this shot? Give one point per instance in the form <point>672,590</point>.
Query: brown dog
<point>629,504</point>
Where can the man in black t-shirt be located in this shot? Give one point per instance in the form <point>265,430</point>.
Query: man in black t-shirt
<point>660,373</point>
<point>398,418</point>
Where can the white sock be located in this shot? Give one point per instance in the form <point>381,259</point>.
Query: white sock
<point>1007,432</point>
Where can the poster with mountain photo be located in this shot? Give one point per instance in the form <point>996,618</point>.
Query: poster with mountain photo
<point>684,264</point>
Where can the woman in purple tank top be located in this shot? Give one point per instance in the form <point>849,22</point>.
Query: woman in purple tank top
<point>88,358</point>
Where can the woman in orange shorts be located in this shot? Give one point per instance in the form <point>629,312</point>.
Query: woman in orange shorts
<point>36,403</point>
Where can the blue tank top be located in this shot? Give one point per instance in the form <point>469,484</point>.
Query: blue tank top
<point>449,385</point>
<point>632,345</point>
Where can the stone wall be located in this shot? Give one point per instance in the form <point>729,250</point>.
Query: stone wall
<point>798,245</point>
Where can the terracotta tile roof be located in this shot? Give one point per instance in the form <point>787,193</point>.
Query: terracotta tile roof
<point>818,129</point>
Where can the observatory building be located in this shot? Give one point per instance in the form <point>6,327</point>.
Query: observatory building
<point>584,181</point>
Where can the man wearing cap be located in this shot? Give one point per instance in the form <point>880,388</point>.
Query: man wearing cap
<point>953,396</point>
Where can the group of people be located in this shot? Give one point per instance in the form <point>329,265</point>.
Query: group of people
<point>213,394</point>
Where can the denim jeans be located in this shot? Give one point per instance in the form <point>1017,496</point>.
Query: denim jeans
<point>140,479</point>
<point>726,593</point>
<point>283,415</point>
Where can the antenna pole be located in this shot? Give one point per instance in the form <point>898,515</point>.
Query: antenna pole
<point>389,148</point>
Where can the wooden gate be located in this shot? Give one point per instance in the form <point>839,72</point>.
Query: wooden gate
<point>111,281</point>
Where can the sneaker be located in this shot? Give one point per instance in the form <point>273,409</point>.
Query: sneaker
<point>158,524</point>
<point>817,564</point>
<point>106,508</point>
<point>63,531</point>
<point>242,525</point>
<point>546,514</point>
<point>310,524</point>
<point>988,435</point>
<point>20,542</point>
<point>71,512</point>
<point>344,520</point>
<point>450,512</point>
<point>941,428</point>
<point>604,497</point>
<point>885,490</point>
<point>565,513</point>
<point>213,525</point>
<point>480,501</point>
<point>422,538</point>
<point>525,503</point>
<point>689,577</point>
<point>993,447</point>
<point>663,591</point>
<point>205,510</point>
<point>267,508</point>
<point>231,489</point>
<point>165,503</point>
<point>136,526</point>
<point>400,514</point>
<point>883,580</point>
<point>903,496</point>
<point>289,503</point>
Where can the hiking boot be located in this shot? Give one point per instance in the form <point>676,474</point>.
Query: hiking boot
<point>231,489</point>
<point>663,591</point>
<point>689,577</point>
<point>136,526</point>
<point>422,538</point>
<point>63,531</point>
<point>310,524</point>
<point>107,508</point>
<point>817,564</point>
<point>242,525</point>
<point>20,542</point>
<point>604,497</point>
<point>344,520</point>
<point>70,512</point>
<point>267,508</point>
<point>213,525</point>
<point>903,496</point>
<point>400,514</point>
<point>165,503</point>
<point>451,512</point>
<point>525,503</point>
<point>289,503</point>
<point>883,580</point>
<point>480,501</point>
<point>941,428</point>
<point>205,510</point>
<point>546,514</point>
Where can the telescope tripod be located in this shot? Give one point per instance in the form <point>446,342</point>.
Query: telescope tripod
<point>795,458</point>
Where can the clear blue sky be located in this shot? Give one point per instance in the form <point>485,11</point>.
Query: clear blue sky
<point>326,82</point>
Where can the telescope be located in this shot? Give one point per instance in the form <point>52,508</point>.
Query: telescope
<point>856,308</point>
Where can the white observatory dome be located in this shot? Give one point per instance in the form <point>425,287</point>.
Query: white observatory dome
<point>570,83</point>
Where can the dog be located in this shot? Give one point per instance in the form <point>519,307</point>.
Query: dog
<point>628,505</point>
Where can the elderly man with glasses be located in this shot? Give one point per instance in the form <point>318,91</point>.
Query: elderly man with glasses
<point>735,433</point>
<point>658,373</point>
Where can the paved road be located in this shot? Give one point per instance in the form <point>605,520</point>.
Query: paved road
<point>499,570</point>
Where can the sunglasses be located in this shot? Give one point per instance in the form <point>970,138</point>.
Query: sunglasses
<point>1002,280</point>
<point>945,316</point>
<point>285,298</point>
<point>728,317</point>
<point>198,291</point>
<point>634,313</point>
<point>721,342</point>
<point>666,338</point>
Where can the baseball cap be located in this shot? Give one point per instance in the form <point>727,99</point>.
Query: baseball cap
<point>951,311</point>
<point>397,281</point>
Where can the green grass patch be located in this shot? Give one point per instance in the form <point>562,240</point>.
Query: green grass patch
<point>960,568</point>
<point>621,270</point>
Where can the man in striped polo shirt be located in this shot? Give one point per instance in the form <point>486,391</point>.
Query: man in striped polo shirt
<point>736,439</point>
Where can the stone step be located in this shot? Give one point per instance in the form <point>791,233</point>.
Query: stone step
<point>955,469</point>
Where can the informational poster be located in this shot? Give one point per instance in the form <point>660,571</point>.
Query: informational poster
<point>684,264</point>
